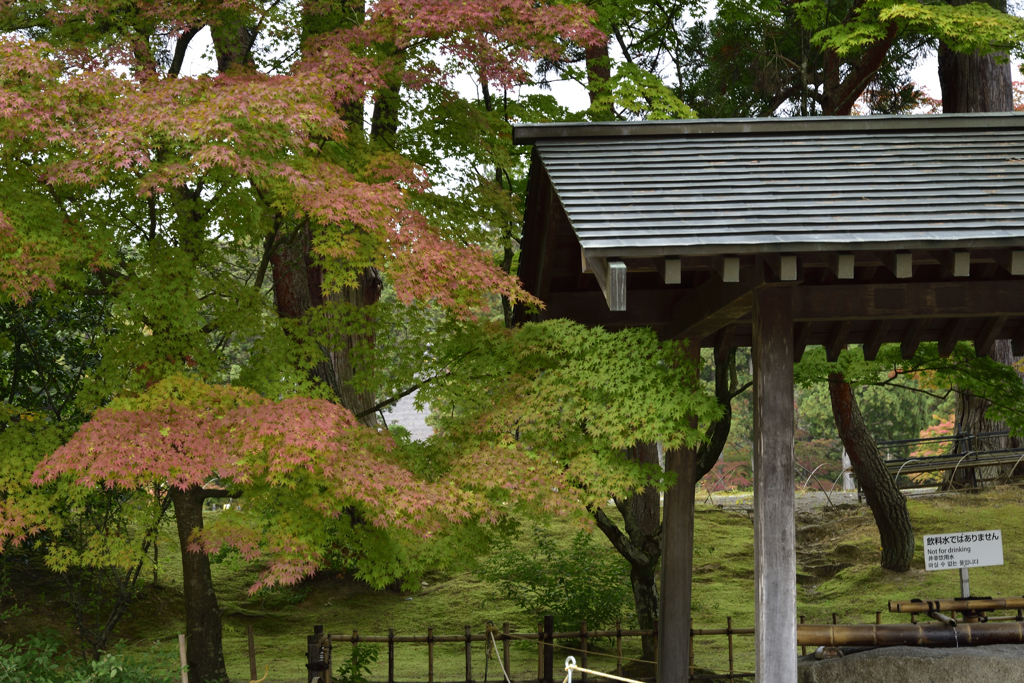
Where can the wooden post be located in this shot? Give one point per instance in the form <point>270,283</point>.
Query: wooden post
<point>252,653</point>
<point>540,652</point>
<point>583,646</point>
<point>184,658</point>
<point>469,656</point>
<point>391,655</point>
<point>677,560</point>
<point>507,648</point>
<point>728,631</point>
<point>430,654</point>
<point>774,492</point>
<point>549,648</point>
<point>618,647</point>
<point>689,667</point>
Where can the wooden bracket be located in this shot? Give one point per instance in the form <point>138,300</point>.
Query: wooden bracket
<point>611,278</point>
<point>729,268</point>
<point>989,333</point>
<point>785,266</point>
<point>912,338</point>
<point>955,263</point>
<point>836,340</point>
<point>875,337</point>
<point>671,270</point>
<point>901,263</point>
<point>950,335</point>
<point>1012,261</point>
<point>841,265</point>
<point>801,335</point>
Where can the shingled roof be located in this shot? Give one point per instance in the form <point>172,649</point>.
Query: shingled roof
<point>764,185</point>
<point>887,228</point>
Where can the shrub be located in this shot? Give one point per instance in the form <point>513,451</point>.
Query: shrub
<point>581,582</point>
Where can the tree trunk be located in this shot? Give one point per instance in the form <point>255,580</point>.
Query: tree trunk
<point>599,73</point>
<point>975,83</point>
<point>202,614</point>
<point>887,503</point>
<point>640,545</point>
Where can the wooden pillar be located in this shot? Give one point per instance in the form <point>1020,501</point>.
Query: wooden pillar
<point>774,493</point>
<point>677,561</point>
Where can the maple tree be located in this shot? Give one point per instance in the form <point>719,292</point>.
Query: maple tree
<point>196,203</point>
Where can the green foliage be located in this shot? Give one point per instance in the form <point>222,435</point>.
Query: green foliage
<point>574,584</point>
<point>37,658</point>
<point>550,407</point>
<point>359,665</point>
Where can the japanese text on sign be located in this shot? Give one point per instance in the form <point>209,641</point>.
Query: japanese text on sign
<point>963,550</point>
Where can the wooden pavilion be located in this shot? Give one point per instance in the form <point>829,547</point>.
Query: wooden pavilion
<point>776,234</point>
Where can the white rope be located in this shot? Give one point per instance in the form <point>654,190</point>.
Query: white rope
<point>498,655</point>
<point>570,666</point>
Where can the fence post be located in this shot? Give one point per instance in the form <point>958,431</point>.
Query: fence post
<point>391,655</point>
<point>252,653</point>
<point>430,654</point>
<point>691,649</point>
<point>469,656</point>
<point>315,663</point>
<point>728,630</point>
<point>182,654</point>
<point>583,646</point>
<point>618,647</point>
<point>803,648</point>
<point>540,652</point>
<point>549,648</point>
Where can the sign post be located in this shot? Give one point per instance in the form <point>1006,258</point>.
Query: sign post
<point>962,551</point>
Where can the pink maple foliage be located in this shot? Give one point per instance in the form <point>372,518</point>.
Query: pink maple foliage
<point>187,433</point>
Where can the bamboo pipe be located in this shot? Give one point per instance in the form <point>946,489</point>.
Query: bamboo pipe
<point>972,604</point>
<point>928,634</point>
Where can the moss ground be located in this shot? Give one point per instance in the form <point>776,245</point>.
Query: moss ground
<point>838,573</point>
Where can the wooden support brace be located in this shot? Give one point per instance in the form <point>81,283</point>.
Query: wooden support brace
<point>729,268</point>
<point>987,336</point>
<point>876,334</point>
<point>671,270</point>
<point>901,263</point>
<point>912,338</point>
<point>836,340</point>
<point>842,265</point>
<point>801,335</point>
<point>950,335</point>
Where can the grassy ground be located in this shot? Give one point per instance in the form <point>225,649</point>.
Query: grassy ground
<point>837,573</point>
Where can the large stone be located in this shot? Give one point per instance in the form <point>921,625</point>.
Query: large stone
<point>918,665</point>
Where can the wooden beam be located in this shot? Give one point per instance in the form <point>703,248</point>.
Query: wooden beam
<point>801,335</point>
<point>611,278</point>
<point>842,265</point>
<point>954,263</point>
<point>723,343</point>
<point>671,270</point>
<point>836,340</point>
<point>951,334</point>
<point>901,263</point>
<point>987,336</point>
<point>875,338</point>
<point>616,292</point>
<point>912,337</point>
<point>785,266</point>
<point>774,497</point>
<point>1011,260</point>
<point>713,305</point>
<point>968,299</point>
<point>677,559</point>
<point>729,268</point>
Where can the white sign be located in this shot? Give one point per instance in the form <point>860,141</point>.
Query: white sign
<point>964,550</point>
